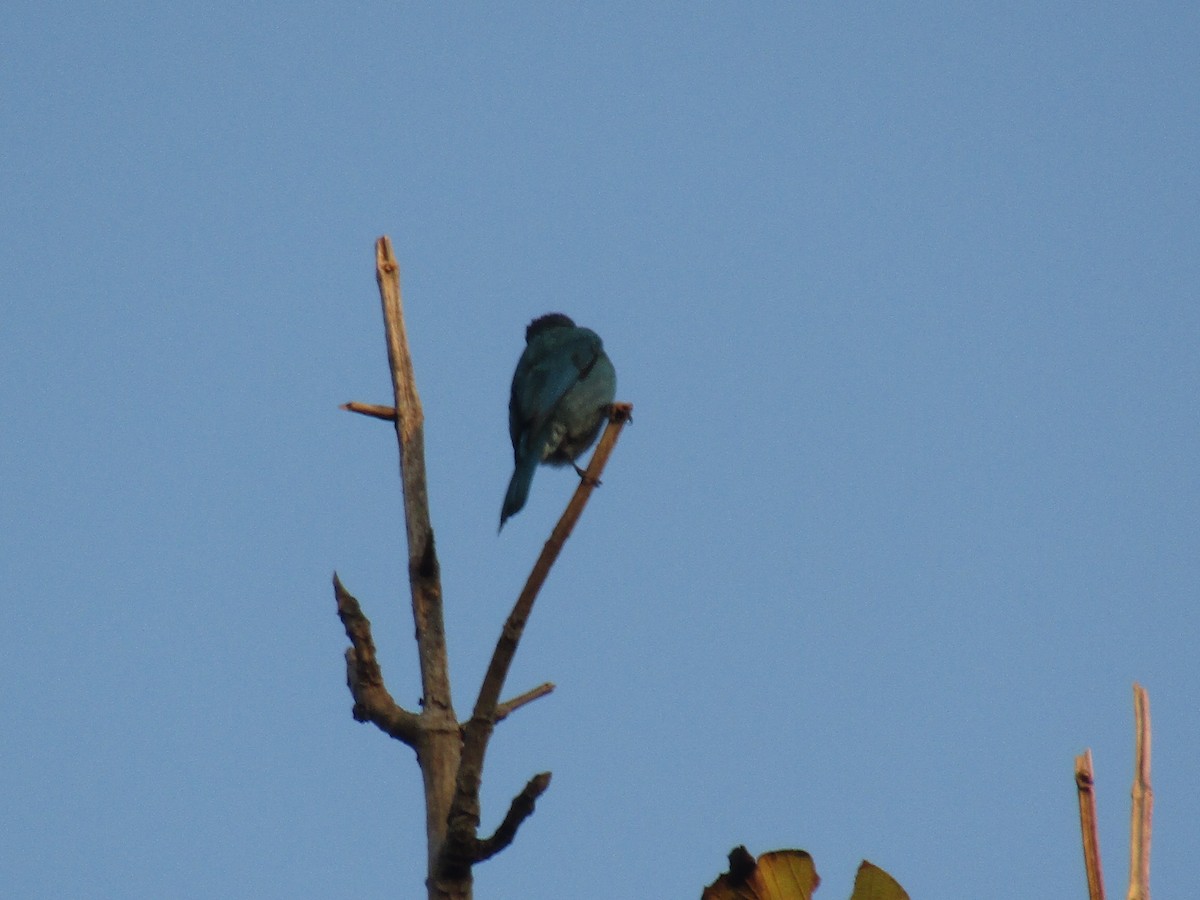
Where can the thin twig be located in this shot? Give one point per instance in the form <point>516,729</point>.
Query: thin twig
<point>1086,788</point>
<point>374,410</point>
<point>372,702</point>
<point>1143,800</point>
<point>508,707</point>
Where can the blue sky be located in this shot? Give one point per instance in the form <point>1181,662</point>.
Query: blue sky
<point>904,296</point>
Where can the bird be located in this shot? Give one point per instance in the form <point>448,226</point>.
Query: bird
<point>562,390</point>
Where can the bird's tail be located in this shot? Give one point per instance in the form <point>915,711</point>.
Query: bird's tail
<point>518,487</point>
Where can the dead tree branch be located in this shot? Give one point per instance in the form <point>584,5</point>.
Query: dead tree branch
<point>1085,785</point>
<point>372,702</point>
<point>520,810</point>
<point>1140,814</point>
<point>462,843</point>
<point>450,754</point>
<point>508,707</point>
<point>1143,800</point>
<point>374,410</point>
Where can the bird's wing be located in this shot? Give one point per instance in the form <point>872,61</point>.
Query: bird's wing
<point>537,396</point>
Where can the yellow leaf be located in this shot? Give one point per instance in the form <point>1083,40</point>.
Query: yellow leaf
<point>872,883</point>
<point>778,875</point>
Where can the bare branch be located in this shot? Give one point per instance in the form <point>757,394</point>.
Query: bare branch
<point>1143,800</point>
<point>459,855</point>
<point>387,413</point>
<point>1085,786</point>
<point>423,570</point>
<point>464,811</point>
<point>439,735</point>
<point>404,385</point>
<point>520,810</point>
<point>508,707</point>
<point>372,702</point>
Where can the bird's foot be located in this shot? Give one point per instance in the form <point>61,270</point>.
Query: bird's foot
<point>583,476</point>
<point>619,412</point>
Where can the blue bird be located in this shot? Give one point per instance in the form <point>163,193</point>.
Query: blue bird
<point>561,392</point>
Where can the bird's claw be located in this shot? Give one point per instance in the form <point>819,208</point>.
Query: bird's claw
<point>619,412</point>
<point>584,477</point>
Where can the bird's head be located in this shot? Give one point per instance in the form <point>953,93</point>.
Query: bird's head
<point>545,323</point>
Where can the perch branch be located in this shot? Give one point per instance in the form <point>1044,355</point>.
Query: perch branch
<point>1143,800</point>
<point>464,811</point>
<point>372,702</point>
<point>1086,787</point>
<point>508,707</point>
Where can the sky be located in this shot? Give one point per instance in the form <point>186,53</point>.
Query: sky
<point>905,299</point>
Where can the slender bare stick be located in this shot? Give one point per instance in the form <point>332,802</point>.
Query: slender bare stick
<point>1086,787</point>
<point>621,414</point>
<point>387,413</point>
<point>1143,800</point>
<point>462,845</point>
<point>508,707</point>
